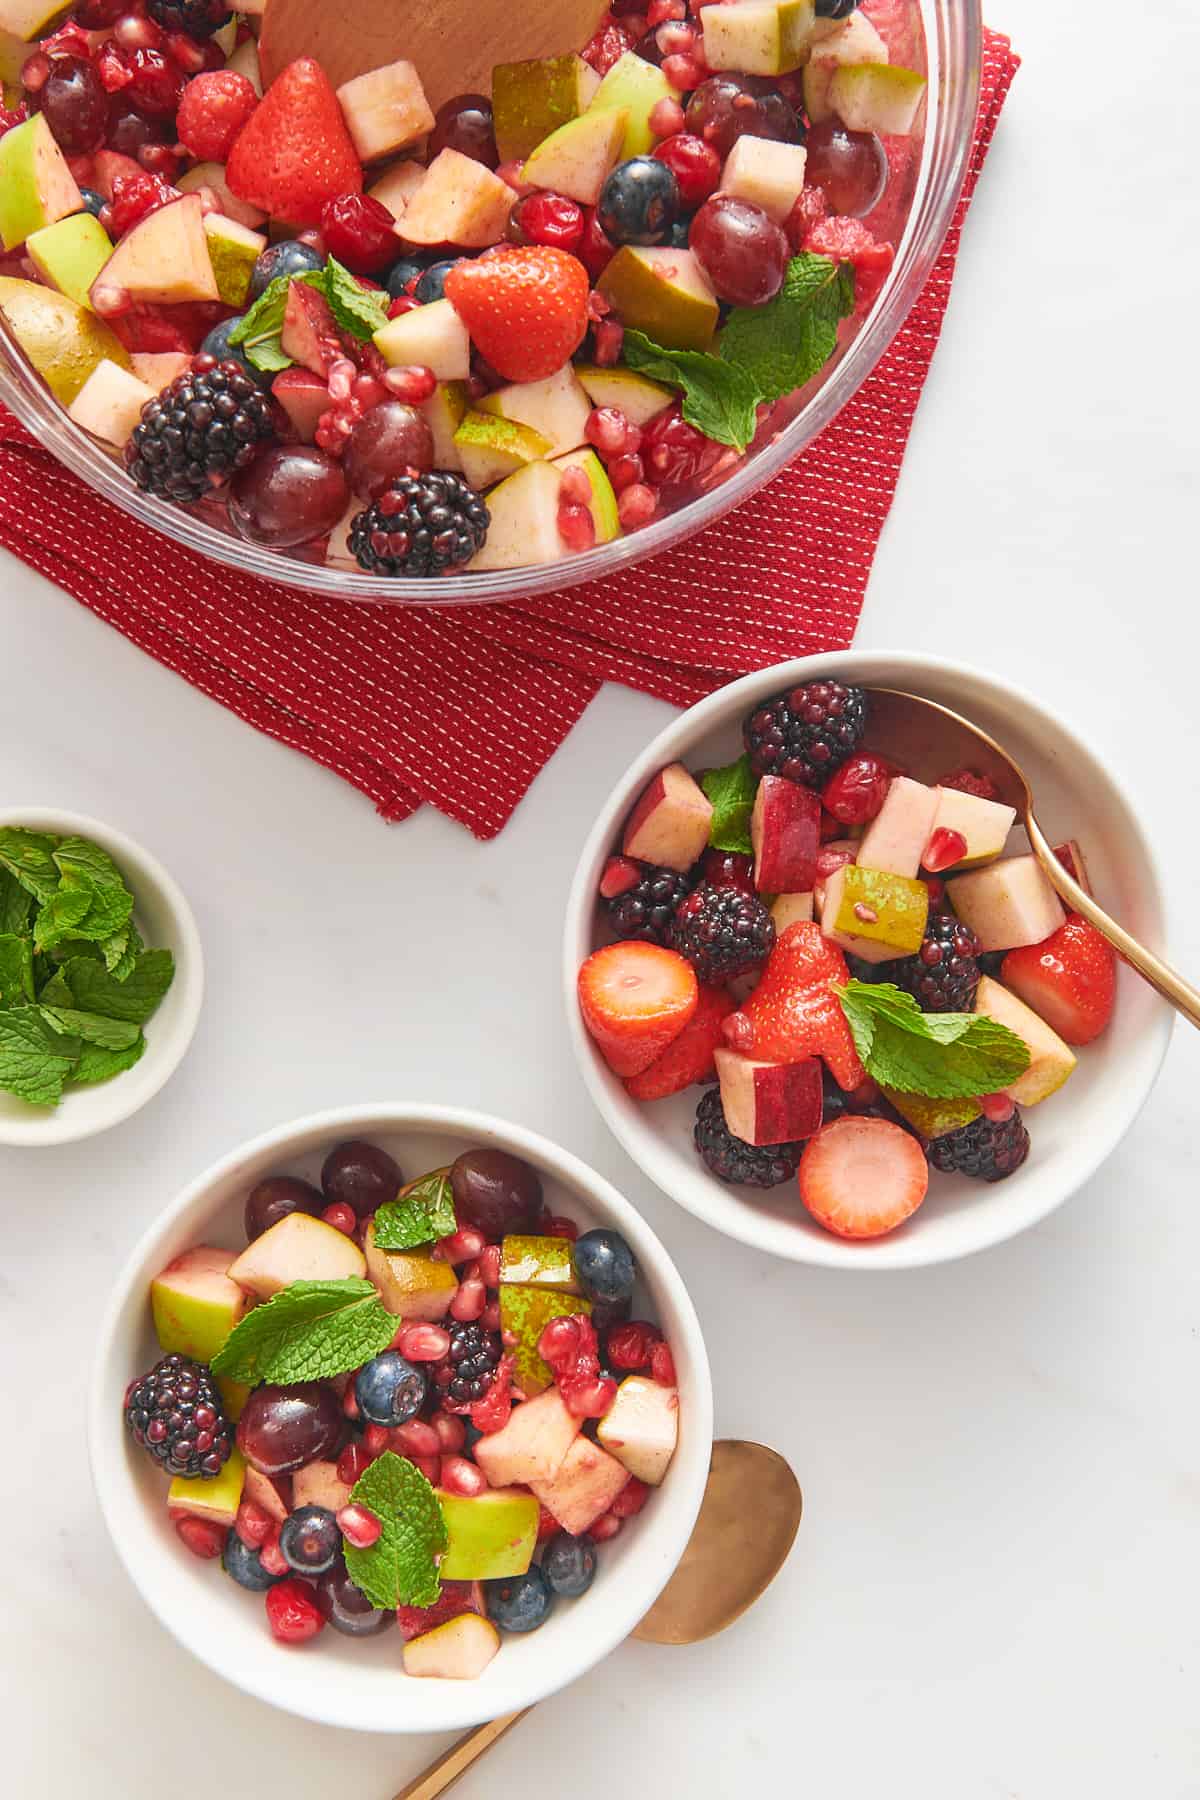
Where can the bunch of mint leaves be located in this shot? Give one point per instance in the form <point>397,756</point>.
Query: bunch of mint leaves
<point>763,352</point>
<point>76,982</point>
<point>357,310</point>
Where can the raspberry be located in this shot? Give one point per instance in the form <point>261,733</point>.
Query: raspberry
<point>292,1612</point>
<point>849,240</point>
<point>133,197</point>
<point>492,1413</point>
<point>628,1348</point>
<point>970,781</point>
<point>212,112</point>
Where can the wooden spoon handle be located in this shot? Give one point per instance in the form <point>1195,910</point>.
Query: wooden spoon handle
<point>458,1759</point>
<point>1162,978</point>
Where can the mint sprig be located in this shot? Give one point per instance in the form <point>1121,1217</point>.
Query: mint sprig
<point>731,790</point>
<point>401,1567</point>
<point>357,310</point>
<point>307,1332</point>
<point>782,345</point>
<point>945,1056</point>
<point>360,311</point>
<point>718,399</point>
<point>422,1212</point>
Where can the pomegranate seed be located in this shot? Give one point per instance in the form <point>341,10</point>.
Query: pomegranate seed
<point>683,72</point>
<point>937,893</point>
<point>943,850</point>
<point>667,119</point>
<point>605,1527</point>
<point>618,876</point>
<point>626,471</point>
<point>412,385</point>
<point>511,174</point>
<point>662,1364</point>
<point>416,1437</point>
<point>253,1524</point>
<point>489,1318</point>
<point>607,429</point>
<point>659,12</point>
<point>469,1301</point>
<point>133,31</point>
<point>203,1537</point>
<point>35,72</point>
<point>631,1499</point>
<point>555,1225</point>
<point>462,1477</point>
<point>343,1218</point>
<point>292,1612</point>
<point>559,1342</point>
<point>831,859</point>
<point>430,1467</point>
<point>271,1556</point>
<point>351,1463</point>
<point>423,1343</point>
<point>576,527</point>
<point>489,1265</point>
<point>608,340</point>
<point>464,1246</point>
<point>997,1107</point>
<point>628,1347</point>
<point>636,506</point>
<point>451,1431</point>
<point>575,488</point>
<point>587,1396</point>
<point>548,1525</point>
<point>360,1526</point>
<point>375,1438</point>
<point>349,1402</point>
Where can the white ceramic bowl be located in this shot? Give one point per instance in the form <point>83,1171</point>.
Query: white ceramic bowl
<point>165,921</point>
<point>339,1681</point>
<point>1071,1134</point>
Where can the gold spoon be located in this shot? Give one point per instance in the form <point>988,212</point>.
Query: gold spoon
<point>944,740</point>
<point>747,1525</point>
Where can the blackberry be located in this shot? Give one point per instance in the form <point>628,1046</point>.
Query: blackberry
<point>474,1354</point>
<point>722,932</point>
<point>422,525</point>
<point>808,733</point>
<point>212,420</point>
<point>984,1149</point>
<point>198,18</point>
<point>730,1159</point>
<point>175,1414</point>
<point>646,911</point>
<point>944,974</point>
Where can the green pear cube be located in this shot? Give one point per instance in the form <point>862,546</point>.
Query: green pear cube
<point>491,448</point>
<point>64,341</point>
<point>638,86</point>
<point>663,292</point>
<point>875,914</point>
<point>546,1262</point>
<point>444,412</point>
<point>524,509</point>
<point>639,398</point>
<point>532,99</point>
<point>214,1497</point>
<point>525,1313</point>
<point>877,97</point>
<point>233,250</point>
<point>577,158</point>
<point>557,407</point>
<point>70,254</point>
<point>459,1650</point>
<point>412,1286</point>
<point>1051,1061</point>
<point>37,187</point>
<point>758,37</point>
<point>603,502</point>
<point>490,1534</point>
<point>933,1118</point>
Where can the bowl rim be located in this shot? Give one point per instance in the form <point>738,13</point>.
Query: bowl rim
<point>118,1497</point>
<point>164,1052</point>
<point>722,1209</point>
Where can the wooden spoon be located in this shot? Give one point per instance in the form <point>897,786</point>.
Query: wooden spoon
<point>454,46</point>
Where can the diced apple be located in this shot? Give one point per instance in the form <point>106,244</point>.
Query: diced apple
<point>766,173</point>
<point>459,202</point>
<point>524,509</point>
<point>162,261</point>
<point>785,830</point>
<point>27,19</point>
<point>637,86</point>
<point>770,1103</point>
<point>70,254</point>
<point>196,1303</point>
<point>433,336</point>
<point>791,909</point>
<point>874,914</point>
<point>1051,1061</point>
<point>490,1535</point>
<point>1008,904</point>
<point>557,408</point>
<point>213,1497</point>
<point>670,824</point>
<point>877,97</point>
<point>303,396</point>
<point>385,110</point>
<point>298,1248</point>
<point>308,326</point>
<point>459,1650</point>
<point>319,1484</point>
<point>274,1495</point>
<point>576,159</point>
<point>852,40</point>
<point>396,187</point>
<point>585,1485</point>
<point>983,825</point>
<point>664,292</point>
<point>37,187</point>
<point>212,175</point>
<point>110,402</point>
<point>532,1446</point>
<point>900,829</point>
<point>641,1428</point>
<point>412,1286</point>
<point>158,368</point>
<point>444,412</point>
<point>758,37</point>
<point>1072,859</point>
<point>639,398</point>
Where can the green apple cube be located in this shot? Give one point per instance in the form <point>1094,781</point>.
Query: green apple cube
<point>637,86</point>
<point>319,1484</point>
<point>852,40</point>
<point>874,914</point>
<point>532,1446</point>
<point>490,448</point>
<point>524,509</point>
<point>585,1485</point>
<point>547,1262</point>
<point>491,1535</point>
<point>639,398</point>
<point>532,99</point>
<point>897,835</point>
<point>211,175</point>
<point>877,97</point>
<point>641,1428</point>
<point>213,1497</point>
<point>109,404</point>
<point>444,412</point>
<point>70,254</point>
<point>196,1303</point>
<point>396,187</point>
<point>557,407</point>
<point>1051,1061</point>
<point>663,292</point>
<point>758,37</point>
<point>1008,904</point>
<point>62,340</point>
<point>983,825</point>
<point>577,158</point>
<point>933,1118</point>
<point>603,503</point>
<point>385,110</point>
<point>765,173</point>
<point>233,249</point>
<point>459,202</point>
<point>37,187</point>
<point>297,1248</point>
<point>163,260</point>
<point>412,1286</point>
<point>432,336</point>
<point>459,1650</point>
<point>524,1314</point>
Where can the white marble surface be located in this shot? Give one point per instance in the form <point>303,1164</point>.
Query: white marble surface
<point>994,1593</point>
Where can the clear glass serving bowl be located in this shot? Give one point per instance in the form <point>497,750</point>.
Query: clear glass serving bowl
<point>948,35</point>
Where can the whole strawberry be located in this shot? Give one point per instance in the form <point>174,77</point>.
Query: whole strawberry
<point>525,308</point>
<point>295,153</point>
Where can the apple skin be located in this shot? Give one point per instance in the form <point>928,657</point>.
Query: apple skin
<point>770,1103</point>
<point>670,824</point>
<point>899,832</point>
<point>785,830</point>
<point>491,1535</point>
<point>524,1313</point>
<point>303,397</point>
<point>307,325</point>
<point>36,185</point>
<point>459,1650</point>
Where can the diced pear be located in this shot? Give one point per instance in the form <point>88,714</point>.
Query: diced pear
<point>1008,904</point>
<point>835,42</point>
<point>983,824</point>
<point>532,99</point>
<point>110,402</point>
<point>396,187</point>
<point>603,504</point>
<point>532,1446</point>
<point>637,86</point>
<point>27,19</point>
<point>900,829</point>
<point>874,914</point>
<point>37,187</point>
<point>663,292</point>
<point>410,1285</point>
<point>641,1428</point>
<point>319,1484</point>
<point>766,173</point>
<point>491,1535</point>
<point>233,249</point>
<point>490,448</point>
<point>432,335</point>
<point>385,110</point>
<point>212,175</point>
<point>639,398</point>
<point>538,1262</point>
<point>524,527</point>
<point>444,412</point>
<point>459,1650</point>
<point>577,158</point>
<point>758,37</point>
<point>162,260</point>
<point>585,1485</point>
<point>557,407</point>
<point>791,909</point>
<point>298,1248</point>
<point>1051,1061</point>
<point>524,1314</point>
<point>459,202</point>
<point>877,97</point>
<point>214,1497</point>
<point>933,1118</point>
<point>70,254</point>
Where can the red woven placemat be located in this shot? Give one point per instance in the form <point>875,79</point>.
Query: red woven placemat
<point>463,708</point>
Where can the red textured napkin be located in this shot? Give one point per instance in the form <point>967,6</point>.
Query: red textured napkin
<point>463,707</point>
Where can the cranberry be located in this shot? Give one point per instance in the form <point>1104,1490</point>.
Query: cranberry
<point>548,219</point>
<point>203,1537</point>
<point>674,452</point>
<point>462,1477</point>
<point>556,1226</point>
<point>631,1499</point>
<point>857,792</point>
<point>596,249</point>
<point>695,166</point>
<point>628,1347</point>
<point>292,1612</point>
<point>970,781</point>
<point>359,232</point>
<point>662,1364</point>
<point>944,849</point>
<point>157,84</point>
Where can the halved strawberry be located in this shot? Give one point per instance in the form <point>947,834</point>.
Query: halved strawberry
<point>860,1178</point>
<point>849,240</point>
<point>635,999</point>
<point>524,307</point>
<point>1070,979</point>
<point>295,153</point>
<point>690,1057</point>
<point>793,1013</point>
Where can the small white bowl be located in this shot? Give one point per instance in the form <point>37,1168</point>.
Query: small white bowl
<point>165,921</point>
<point>1071,1134</point>
<point>338,1681</point>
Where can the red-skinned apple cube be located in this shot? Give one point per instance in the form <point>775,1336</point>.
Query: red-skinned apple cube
<point>303,397</point>
<point>586,1484</point>
<point>785,830</point>
<point>898,833</point>
<point>770,1103</point>
<point>670,824</point>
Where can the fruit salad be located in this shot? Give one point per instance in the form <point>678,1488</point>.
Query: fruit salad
<point>423,1405</point>
<point>347,328</point>
<point>865,976</point>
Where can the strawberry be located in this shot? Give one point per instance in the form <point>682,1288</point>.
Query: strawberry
<point>849,240</point>
<point>294,153</point>
<point>860,1178</point>
<point>635,999</point>
<point>525,308</point>
<point>1070,979</point>
<point>690,1057</point>
<point>793,1013</point>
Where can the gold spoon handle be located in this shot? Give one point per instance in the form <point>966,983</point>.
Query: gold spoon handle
<point>1162,978</point>
<point>458,1759</point>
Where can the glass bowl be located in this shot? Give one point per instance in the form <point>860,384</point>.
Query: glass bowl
<point>948,38</point>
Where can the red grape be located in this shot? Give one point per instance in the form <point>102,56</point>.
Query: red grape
<point>282,1428</point>
<point>276,1197</point>
<point>390,440</point>
<point>742,251</point>
<point>288,496</point>
<point>727,107</point>
<point>849,167</point>
<point>74,104</point>
<point>465,124</point>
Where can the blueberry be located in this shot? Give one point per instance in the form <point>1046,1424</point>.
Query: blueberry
<point>835,9</point>
<point>409,268</point>
<point>519,1602</point>
<point>309,1540</point>
<point>288,258</point>
<point>639,202</point>
<point>604,1264</point>
<point>432,285</point>
<point>389,1390</point>
<point>569,1564</point>
<point>92,201</point>
<point>217,344</point>
<point>245,1565</point>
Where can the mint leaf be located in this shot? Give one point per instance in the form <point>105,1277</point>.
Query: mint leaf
<point>358,310</point>
<point>135,998</point>
<point>421,1212</point>
<point>400,1568</point>
<point>944,1056</point>
<point>106,1034</point>
<point>121,952</point>
<point>269,356</point>
<point>718,399</point>
<point>96,1064</point>
<point>782,345</point>
<point>62,913</point>
<point>35,1059</point>
<point>29,857</point>
<point>265,318</point>
<point>731,790</point>
<point>309,1331</point>
<point>55,992</point>
<point>15,903</point>
<point>86,866</point>
<point>16,969</point>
